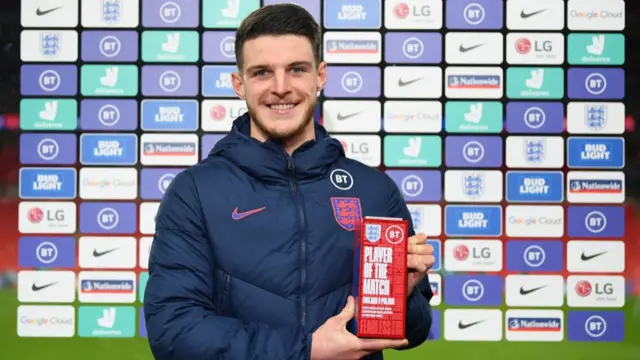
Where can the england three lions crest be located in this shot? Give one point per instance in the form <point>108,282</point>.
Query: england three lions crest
<point>373,232</point>
<point>50,44</point>
<point>535,150</point>
<point>473,185</point>
<point>416,216</point>
<point>347,212</point>
<point>111,11</point>
<point>595,116</point>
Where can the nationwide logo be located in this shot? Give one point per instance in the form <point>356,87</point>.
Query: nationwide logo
<point>100,286</point>
<point>521,324</point>
<point>352,47</point>
<point>169,149</point>
<point>474,82</point>
<point>577,186</point>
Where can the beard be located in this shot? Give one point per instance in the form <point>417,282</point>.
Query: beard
<point>283,135</point>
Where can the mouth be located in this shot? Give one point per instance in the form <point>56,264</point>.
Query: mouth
<point>282,108</point>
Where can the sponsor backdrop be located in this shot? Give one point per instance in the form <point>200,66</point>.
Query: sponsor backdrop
<point>501,121</point>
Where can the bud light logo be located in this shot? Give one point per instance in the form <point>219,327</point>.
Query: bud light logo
<point>535,187</point>
<point>473,220</point>
<point>593,152</point>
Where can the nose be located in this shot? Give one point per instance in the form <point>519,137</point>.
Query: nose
<point>280,83</point>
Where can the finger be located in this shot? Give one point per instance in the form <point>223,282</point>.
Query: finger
<point>347,312</point>
<point>429,260</point>
<point>419,238</point>
<point>415,263</point>
<point>420,263</point>
<point>423,249</point>
<point>380,344</point>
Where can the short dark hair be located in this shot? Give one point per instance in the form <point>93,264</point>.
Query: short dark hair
<point>279,19</point>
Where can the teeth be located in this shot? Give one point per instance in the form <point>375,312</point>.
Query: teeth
<point>282,107</point>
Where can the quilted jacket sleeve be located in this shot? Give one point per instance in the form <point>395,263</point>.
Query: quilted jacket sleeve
<point>419,317</point>
<point>181,319</point>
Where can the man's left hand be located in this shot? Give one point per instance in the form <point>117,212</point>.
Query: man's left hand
<point>419,260</point>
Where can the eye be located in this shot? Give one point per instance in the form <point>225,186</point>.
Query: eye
<point>260,72</point>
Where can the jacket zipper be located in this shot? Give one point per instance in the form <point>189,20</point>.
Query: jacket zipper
<point>225,285</point>
<point>303,247</point>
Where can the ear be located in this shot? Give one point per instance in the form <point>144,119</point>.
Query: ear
<point>238,84</point>
<point>322,76</point>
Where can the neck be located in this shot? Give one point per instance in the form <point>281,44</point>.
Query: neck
<point>292,143</point>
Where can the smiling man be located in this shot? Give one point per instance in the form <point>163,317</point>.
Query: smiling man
<point>252,256</point>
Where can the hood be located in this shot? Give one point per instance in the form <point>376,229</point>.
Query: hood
<point>270,162</point>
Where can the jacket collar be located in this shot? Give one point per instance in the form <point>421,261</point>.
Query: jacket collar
<point>270,162</point>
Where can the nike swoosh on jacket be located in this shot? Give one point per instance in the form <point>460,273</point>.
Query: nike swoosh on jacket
<point>258,287</point>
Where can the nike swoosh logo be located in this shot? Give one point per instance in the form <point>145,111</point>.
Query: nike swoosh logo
<point>97,253</point>
<point>465,49</point>
<point>527,292</point>
<point>526,16</point>
<point>241,215</point>
<point>35,287</point>
<point>589,257</point>
<point>462,326</point>
<point>405,83</point>
<point>45,12</point>
<point>345,117</point>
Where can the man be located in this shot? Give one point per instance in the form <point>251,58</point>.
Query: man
<point>253,251</point>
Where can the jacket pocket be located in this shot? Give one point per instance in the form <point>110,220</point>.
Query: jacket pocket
<point>224,294</point>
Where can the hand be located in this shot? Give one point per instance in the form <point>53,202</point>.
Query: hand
<point>419,260</point>
<point>332,340</point>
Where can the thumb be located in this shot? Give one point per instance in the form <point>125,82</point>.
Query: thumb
<point>347,312</point>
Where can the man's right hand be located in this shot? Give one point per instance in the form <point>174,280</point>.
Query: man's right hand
<point>332,341</point>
